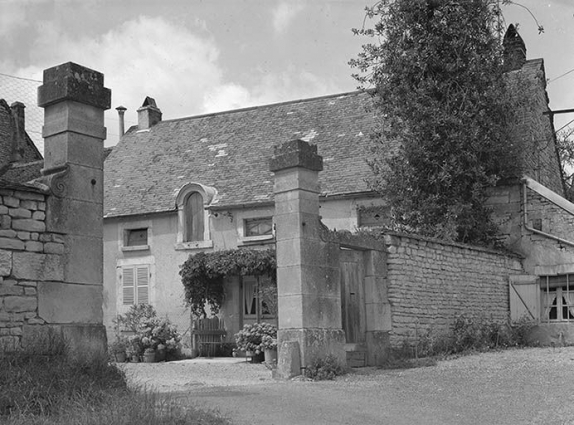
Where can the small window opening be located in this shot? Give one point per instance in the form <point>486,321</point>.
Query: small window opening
<point>136,237</point>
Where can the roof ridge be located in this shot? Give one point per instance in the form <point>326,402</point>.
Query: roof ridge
<point>249,108</point>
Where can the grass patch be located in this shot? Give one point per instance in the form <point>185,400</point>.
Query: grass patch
<point>467,335</point>
<point>325,368</point>
<point>41,385</point>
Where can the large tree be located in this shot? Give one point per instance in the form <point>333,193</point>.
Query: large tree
<point>439,90</point>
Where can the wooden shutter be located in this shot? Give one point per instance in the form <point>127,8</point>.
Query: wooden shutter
<point>194,217</point>
<point>142,274</point>
<point>524,297</point>
<point>128,285</point>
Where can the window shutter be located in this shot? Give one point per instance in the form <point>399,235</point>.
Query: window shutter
<point>524,297</point>
<point>143,284</point>
<point>128,285</point>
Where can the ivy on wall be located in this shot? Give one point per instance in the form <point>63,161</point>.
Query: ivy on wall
<point>202,274</point>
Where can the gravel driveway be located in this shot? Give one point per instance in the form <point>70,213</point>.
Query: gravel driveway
<point>530,386</point>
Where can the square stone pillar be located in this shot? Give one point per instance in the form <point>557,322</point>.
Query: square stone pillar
<point>74,100</point>
<point>308,281</point>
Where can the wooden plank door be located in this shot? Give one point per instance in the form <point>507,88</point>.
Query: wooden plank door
<point>352,295</point>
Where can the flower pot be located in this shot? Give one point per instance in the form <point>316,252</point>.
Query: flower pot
<point>160,355</point>
<point>149,357</point>
<point>255,358</point>
<point>120,357</point>
<point>270,357</point>
<point>135,359</point>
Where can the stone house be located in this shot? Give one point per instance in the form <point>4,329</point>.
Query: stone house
<point>177,187</point>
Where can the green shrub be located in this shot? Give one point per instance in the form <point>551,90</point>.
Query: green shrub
<point>325,368</point>
<point>148,331</point>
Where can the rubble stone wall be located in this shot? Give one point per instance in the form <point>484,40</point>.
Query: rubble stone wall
<point>28,255</point>
<point>430,283</point>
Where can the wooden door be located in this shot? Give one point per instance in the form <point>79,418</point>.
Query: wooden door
<point>352,295</point>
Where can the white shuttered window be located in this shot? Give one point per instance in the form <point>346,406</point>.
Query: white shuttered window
<point>135,284</point>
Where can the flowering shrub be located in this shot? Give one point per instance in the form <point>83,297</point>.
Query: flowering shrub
<point>257,337</point>
<point>148,330</point>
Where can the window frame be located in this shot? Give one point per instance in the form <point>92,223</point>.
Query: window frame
<point>185,192</point>
<point>251,281</point>
<point>562,298</point>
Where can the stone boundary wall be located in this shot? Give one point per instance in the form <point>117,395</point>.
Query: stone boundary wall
<point>430,283</point>
<point>28,255</point>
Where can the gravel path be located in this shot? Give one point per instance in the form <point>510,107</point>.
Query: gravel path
<point>531,386</point>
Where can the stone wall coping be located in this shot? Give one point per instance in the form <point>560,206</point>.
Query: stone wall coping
<point>388,237</point>
<point>32,186</point>
<point>552,196</point>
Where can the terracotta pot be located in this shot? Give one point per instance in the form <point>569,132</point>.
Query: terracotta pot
<point>149,357</point>
<point>255,358</point>
<point>120,357</point>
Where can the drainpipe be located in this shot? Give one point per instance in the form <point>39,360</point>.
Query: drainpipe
<point>533,230</point>
<point>121,110</point>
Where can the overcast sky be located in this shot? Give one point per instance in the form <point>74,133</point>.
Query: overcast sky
<point>197,56</point>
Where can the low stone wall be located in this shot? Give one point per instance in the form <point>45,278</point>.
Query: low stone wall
<point>28,255</point>
<point>430,283</point>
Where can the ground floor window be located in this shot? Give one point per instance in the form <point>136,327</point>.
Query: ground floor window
<point>259,298</point>
<point>557,298</point>
<point>135,284</point>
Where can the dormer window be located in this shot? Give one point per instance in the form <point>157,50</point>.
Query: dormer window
<point>193,219</point>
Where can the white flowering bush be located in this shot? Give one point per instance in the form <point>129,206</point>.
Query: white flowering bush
<point>148,330</point>
<point>257,337</point>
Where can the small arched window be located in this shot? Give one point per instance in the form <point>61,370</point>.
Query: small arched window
<point>194,218</point>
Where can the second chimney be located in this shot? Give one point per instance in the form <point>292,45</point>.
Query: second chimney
<point>149,114</point>
<point>18,131</point>
<point>121,111</point>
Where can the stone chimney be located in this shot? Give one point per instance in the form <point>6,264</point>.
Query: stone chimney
<point>18,132</point>
<point>121,111</point>
<point>514,50</point>
<point>149,114</point>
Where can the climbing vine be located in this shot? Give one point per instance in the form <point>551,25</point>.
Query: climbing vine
<point>202,274</point>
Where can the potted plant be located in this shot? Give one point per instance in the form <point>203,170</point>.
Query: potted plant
<point>160,353</point>
<point>269,345</point>
<point>118,349</point>
<point>250,339</point>
<point>149,355</point>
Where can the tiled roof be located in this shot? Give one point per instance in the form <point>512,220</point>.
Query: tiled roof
<point>230,151</point>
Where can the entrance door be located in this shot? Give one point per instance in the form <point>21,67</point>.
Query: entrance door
<point>352,295</point>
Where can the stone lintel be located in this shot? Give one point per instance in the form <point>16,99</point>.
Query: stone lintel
<point>70,81</point>
<point>296,153</point>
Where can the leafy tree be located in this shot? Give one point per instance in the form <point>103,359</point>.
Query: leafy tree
<point>445,114</point>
